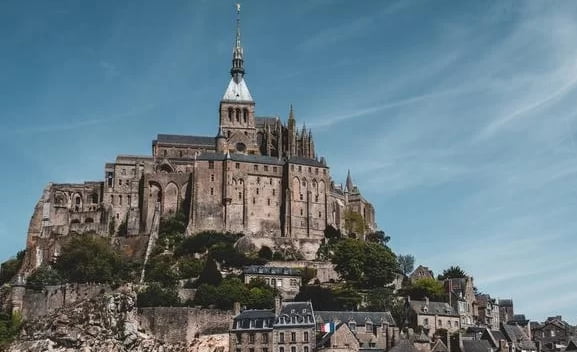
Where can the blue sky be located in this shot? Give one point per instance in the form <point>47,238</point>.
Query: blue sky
<point>457,119</point>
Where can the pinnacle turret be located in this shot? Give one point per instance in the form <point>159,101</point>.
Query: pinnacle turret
<point>237,70</point>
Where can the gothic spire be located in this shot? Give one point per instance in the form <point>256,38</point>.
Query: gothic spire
<point>291,113</point>
<point>237,70</point>
<point>349,184</point>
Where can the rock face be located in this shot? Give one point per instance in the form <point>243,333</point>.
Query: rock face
<point>106,323</point>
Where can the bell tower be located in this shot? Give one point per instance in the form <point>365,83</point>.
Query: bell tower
<point>237,122</point>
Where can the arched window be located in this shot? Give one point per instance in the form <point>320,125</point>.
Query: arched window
<point>245,115</point>
<point>94,198</point>
<point>230,114</point>
<point>77,200</point>
<point>237,115</point>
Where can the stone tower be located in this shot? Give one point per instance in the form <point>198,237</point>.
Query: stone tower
<point>237,121</point>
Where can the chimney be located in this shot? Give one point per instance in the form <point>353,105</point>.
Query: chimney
<point>503,346</point>
<point>426,300</point>
<point>236,308</point>
<point>277,305</point>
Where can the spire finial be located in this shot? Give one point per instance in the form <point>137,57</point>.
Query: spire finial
<point>349,183</point>
<point>237,70</point>
<point>291,113</point>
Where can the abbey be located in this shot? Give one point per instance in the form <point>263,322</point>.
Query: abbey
<point>258,175</point>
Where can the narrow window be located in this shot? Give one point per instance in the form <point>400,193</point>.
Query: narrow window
<point>245,115</point>
<point>237,115</point>
<point>239,195</point>
<point>270,181</point>
<point>274,169</point>
<point>257,192</point>
<point>268,201</point>
<point>211,191</point>
<point>264,338</point>
<point>300,168</point>
<point>256,168</point>
<point>306,349</point>
<point>211,164</point>
<point>129,200</point>
<point>293,337</point>
<point>301,196</point>
<point>301,211</point>
<point>253,201</point>
<point>320,214</point>
<point>251,338</point>
<point>237,165</point>
<point>212,178</point>
<point>266,168</point>
<point>230,114</point>
<point>120,182</point>
<point>165,152</point>
<point>273,192</point>
<point>306,336</point>
<point>281,335</point>
<point>120,200</point>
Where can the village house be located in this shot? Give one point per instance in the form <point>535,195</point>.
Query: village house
<point>488,310</point>
<point>354,331</point>
<point>509,338</point>
<point>431,316</point>
<point>553,334</point>
<point>286,280</point>
<point>461,293</point>
<point>421,272</point>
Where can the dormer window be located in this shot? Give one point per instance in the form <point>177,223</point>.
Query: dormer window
<point>369,327</point>
<point>352,325</point>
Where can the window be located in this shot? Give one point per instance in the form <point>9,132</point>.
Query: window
<point>256,168</point>
<point>268,201</point>
<point>320,214</point>
<point>353,326</point>
<point>293,348</point>
<point>264,338</point>
<point>264,349</point>
<point>281,348</point>
<point>120,182</point>
<point>238,338</point>
<point>306,336</point>
<point>270,181</point>
<point>258,180</point>
<point>251,349</point>
<point>310,170</point>
<point>254,201</point>
<point>301,196</point>
<point>239,195</point>
<point>280,335</point>
<point>129,200</point>
<point>230,114</point>
<point>450,323</point>
<point>165,152</point>
<point>251,337</point>
<point>369,327</point>
<point>316,170</point>
<point>293,337</point>
<point>112,199</point>
<point>440,323</point>
<point>274,169</point>
<point>211,191</point>
<point>292,168</point>
<point>306,349</point>
<point>119,200</point>
<point>301,211</point>
<point>212,178</point>
<point>237,165</point>
<point>273,284</point>
<point>266,168</point>
<point>211,164</point>
<point>426,322</point>
<point>273,192</point>
<point>237,115</point>
<point>180,153</point>
<point>245,115</point>
<point>300,168</point>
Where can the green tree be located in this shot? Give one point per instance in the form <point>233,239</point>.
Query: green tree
<point>307,274</point>
<point>364,263</point>
<point>189,267</point>
<point>10,326</point>
<point>380,299</point>
<point>322,298</point>
<point>43,276</point>
<point>9,268</point>
<point>161,269</point>
<point>425,287</point>
<point>156,296</point>
<point>231,290</point>
<point>355,223</point>
<point>453,272</point>
<point>90,258</point>
<point>210,273</point>
<point>378,237</point>
<point>406,263</point>
<point>205,295</point>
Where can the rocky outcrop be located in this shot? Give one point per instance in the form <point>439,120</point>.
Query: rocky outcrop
<point>106,323</point>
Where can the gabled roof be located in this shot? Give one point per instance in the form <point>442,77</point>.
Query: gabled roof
<point>476,346</point>
<point>432,308</point>
<point>439,346</point>
<point>404,346</point>
<point>182,139</point>
<point>295,314</point>
<point>358,317</point>
<point>237,92</point>
<point>571,346</point>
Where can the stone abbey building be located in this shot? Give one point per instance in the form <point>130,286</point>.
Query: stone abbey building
<point>259,176</point>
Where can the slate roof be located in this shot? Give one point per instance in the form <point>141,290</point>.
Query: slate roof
<point>252,319</point>
<point>506,302</point>
<point>182,139</point>
<point>433,308</point>
<point>404,346</point>
<point>305,161</point>
<point>257,159</point>
<point>476,346</point>
<point>271,270</point>
<point>358,317</point>
<point>261,121</point>
<point>295,314</point>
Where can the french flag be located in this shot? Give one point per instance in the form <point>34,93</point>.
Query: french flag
<point>328,327</point>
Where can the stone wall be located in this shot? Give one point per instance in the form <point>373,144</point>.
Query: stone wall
<point>40,303</point>
<point>179,324</point>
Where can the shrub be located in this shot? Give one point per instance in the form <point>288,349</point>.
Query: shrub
<point>43,276</point>
<point>210,274</point>
<point>265,253</point>
<point>9,268</point>
<point>157,296</point>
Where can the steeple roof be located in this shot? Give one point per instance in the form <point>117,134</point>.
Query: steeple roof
<point>349,183</point>
<point>237,89</point>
